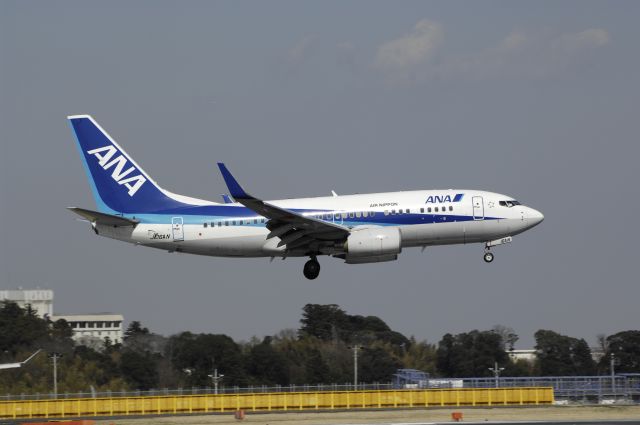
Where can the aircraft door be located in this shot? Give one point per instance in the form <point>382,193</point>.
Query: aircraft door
<point>177,229</point>
<point>478,208</point>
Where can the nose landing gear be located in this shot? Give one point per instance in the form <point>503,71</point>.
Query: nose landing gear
<point>311,269</point>
<point>488,256</point>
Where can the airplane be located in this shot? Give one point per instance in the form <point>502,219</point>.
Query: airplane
<point>359,229</point>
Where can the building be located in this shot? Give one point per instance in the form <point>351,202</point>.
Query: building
<point>92,329</point>
<point>40,300</point>
<point>527,355</point>
<point>410,378</point>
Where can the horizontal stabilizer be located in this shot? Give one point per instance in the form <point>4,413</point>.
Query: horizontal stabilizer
<point>103,218</point>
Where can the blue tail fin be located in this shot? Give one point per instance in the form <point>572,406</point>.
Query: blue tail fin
<point>119,184</point>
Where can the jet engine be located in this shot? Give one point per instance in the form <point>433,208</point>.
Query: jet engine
<point>373,245</point>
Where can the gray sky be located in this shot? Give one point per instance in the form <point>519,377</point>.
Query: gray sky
<point>538,100</point>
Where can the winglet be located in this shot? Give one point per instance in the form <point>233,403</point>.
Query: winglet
<point>227,199</point>
<point>234,187</point>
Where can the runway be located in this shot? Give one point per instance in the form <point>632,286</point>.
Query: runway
<point>561,415</point>
<point>615,422</point>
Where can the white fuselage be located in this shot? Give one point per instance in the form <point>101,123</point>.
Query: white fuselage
<point>429,217</point>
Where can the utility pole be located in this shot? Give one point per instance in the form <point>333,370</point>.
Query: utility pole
<point>216,378</point>
<point>355,349</point>
<point>613,374</point>
<point>55,356</point>
<point>496,372</point>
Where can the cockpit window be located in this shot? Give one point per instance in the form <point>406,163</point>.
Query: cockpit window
<point>509,204</point>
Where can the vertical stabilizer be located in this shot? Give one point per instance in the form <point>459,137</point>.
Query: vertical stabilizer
<point>118,183</point>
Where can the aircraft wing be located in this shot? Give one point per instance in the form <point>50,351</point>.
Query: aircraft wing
<point>295,230</point>
<point>103,218</point>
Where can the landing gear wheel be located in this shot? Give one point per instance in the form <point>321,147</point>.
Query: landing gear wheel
<point>311,269</point>
<point>488,257</point>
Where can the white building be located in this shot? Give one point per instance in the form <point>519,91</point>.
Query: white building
<point>92,329</point>
<point>527,355</point>
<point>40,300</point>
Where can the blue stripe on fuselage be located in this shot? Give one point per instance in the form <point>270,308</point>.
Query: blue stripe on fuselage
<point>214,213</point>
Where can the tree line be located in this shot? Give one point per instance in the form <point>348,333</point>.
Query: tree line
<point>319,351</point>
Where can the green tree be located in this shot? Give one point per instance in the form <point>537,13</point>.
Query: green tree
<point>317,370</point>
<point>625,346</point>
<point>199,354</point>
<point>324,322</point>
<point>266,365</point>
<point>470,354</point>
<point>329,322</point>
<point>561,355</point>
<point>421,356</point>
<point>20,328</point>
<point>139,369</point>
<point>377,365</point>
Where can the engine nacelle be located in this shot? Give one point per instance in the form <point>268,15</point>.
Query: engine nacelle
<point>373,245</point>
<point>372,259</point>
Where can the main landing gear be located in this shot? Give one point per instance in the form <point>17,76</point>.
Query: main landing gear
<point>488,256</point>
<point>311,269</point>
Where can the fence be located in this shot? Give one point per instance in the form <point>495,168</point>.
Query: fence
<point>594,388</point>
<point>203,391</point>
<point>162,405</point>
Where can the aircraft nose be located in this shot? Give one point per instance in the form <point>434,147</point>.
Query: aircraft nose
<point>535,217</point>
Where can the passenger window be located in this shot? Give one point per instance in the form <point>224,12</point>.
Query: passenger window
<point>226,222</point>
<point>408,212</point>
<point>205,225</point>
<point>450,208</point>
<point>358,214</point>
<point>365,213</point>
<point>393,212</point>
<point>372,214</point>
<point>255,221</point>
<point>386,212</point>
<point>219,224</point>
<point>436,209</point>
<point>351,215</point>
<point>262,220</point>
<point>233,222</point>
<point>429,209</point>
<point>421,210</point>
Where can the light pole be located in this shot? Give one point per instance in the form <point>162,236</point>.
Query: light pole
<point>355,349</point>
<point>216,378</point>
<point>496,372</point>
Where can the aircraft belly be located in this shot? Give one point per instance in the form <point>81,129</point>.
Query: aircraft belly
<point>432,234</point>
<point>486,230</point>
<point>214,241</point>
